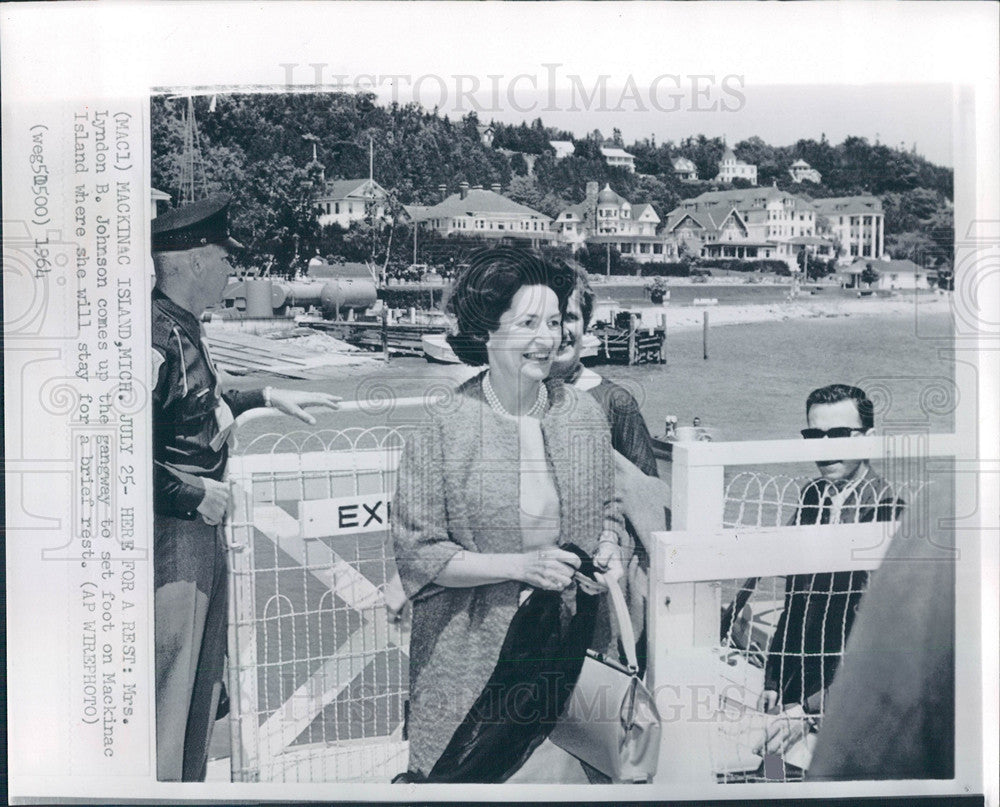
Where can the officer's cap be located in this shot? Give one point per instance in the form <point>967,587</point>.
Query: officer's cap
<point>194,225</point>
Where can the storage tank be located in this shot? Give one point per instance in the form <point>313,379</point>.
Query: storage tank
<point>258,293</point>
<point>302,292</point>
<point>339,295</point>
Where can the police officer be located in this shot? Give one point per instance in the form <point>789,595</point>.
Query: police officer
<point>192,420</point>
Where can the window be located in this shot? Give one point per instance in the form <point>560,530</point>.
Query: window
<point>644,249</point>
<point>336,208</point>
<point>657,249</point>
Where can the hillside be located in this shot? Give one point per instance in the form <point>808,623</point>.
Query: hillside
<point>259,148</point>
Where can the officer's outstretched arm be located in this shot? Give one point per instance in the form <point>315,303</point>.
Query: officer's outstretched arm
<point>293,402</point>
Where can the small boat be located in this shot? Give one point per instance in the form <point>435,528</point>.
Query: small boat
<point>436,348</point>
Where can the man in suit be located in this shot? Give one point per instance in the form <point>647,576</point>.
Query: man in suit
<point>819,609</point>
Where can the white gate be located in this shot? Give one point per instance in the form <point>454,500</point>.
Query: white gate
<point>708,642</point>
<point>318,671</point>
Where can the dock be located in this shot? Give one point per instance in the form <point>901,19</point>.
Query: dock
<point>626,342</point>
<point>400,338</point>
<point>623,342</point>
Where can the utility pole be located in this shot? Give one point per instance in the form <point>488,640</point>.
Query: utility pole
<point>607,266</point>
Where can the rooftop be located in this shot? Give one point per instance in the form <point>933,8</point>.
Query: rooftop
<point>477,202</point>
<point>848,205</point>
<point>609,197</point>
<point>890,266</point>
<point>358,188</point>
<point>744,198</point>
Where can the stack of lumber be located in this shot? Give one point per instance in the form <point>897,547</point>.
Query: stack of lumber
<point>241,353</point>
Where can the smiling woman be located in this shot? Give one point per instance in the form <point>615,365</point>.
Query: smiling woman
<point>481,572</point>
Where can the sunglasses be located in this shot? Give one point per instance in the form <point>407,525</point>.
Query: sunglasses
<point>836,431</point>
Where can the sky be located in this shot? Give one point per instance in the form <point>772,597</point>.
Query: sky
<point>897,114</point>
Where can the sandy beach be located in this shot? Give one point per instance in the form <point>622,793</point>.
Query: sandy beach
<point>690,317</point>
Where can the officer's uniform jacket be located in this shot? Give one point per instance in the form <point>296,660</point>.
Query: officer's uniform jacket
<point>192,417</point>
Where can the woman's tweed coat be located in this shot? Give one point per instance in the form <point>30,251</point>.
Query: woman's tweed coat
<point>458,491</point>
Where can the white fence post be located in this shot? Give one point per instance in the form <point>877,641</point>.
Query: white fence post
<point>684,621</point>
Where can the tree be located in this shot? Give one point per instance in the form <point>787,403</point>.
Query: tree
<point>518,165</point>
<point>869,275</point>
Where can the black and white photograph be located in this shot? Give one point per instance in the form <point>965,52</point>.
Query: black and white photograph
<point>427,402</point>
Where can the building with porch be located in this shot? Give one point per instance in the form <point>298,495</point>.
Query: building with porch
<point>344,201</point>
<point>801,171</point>
<point>618,158</point>
<point>563,148</point>
<point>482,213</point>
<point>857,222</point>
<point>486,133</point>
<point>893,275</point>
<point>765,224</point>
<point>730,168</point>
<point>685,169</point>
<point>606,217</point>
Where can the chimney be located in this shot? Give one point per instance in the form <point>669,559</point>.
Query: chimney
<point>495,187</point>
<point>463,188</point>
<point>442,190</point>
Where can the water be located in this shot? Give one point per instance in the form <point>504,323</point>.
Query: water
<point>753,386</point>
<point>726,294</point>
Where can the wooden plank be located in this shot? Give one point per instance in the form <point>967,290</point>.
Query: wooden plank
<point>704,555</point>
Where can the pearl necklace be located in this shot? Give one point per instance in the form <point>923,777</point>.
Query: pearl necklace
<point>536,408</point>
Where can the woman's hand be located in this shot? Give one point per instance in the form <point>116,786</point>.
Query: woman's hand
<point>608,559</point>
<point>547,569</point>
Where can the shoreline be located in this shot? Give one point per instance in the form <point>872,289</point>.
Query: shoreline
<point>690,317</point>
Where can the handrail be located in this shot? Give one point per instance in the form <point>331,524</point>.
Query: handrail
<point>374,407</point>
<point>753,452</point>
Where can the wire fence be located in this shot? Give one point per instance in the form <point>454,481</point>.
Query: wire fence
<point>319,667</point>
<point>786,634</point>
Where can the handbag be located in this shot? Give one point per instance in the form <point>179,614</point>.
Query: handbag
<point>611,721</point>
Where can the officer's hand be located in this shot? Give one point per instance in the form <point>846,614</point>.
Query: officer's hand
<point>292,402</point>
<point>768,701</point>
<point>215,505</point>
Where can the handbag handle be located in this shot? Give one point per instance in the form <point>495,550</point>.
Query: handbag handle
<point>620,611</point>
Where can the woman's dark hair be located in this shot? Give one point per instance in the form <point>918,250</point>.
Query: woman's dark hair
<point>586,293</point>
<point>835,393</point>
<point>484,289</point>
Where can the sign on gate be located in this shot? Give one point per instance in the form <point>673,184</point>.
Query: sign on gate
<point>347,515</point>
